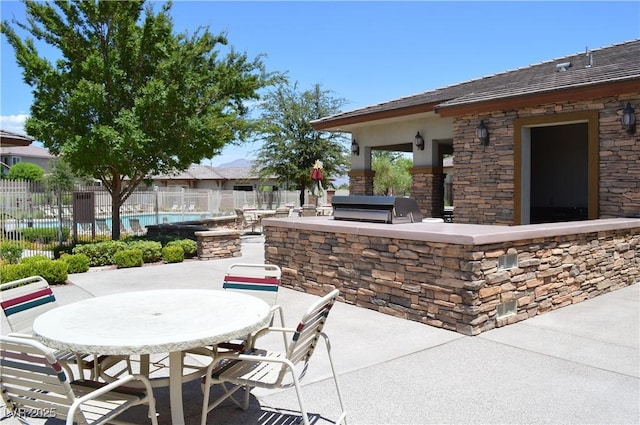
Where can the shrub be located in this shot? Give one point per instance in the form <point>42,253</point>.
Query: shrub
<point>128,258</point>
<point>11,252</point>
<point>190,247</point>
<point>54,271</point>
<point>77,263</point>
<point>151,251</point>
<point>26,171</point>
<point>164,239</point>
<point>9,272</point>
<point>102,253</point>
<point>44,235</point>
<point>65,248</point>
<point>172,254</point>
<point>34,259</point>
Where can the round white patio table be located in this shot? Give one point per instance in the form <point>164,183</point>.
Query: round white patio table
<point>150,322</point>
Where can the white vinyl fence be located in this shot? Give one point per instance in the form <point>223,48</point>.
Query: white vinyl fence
<point>40,218</point>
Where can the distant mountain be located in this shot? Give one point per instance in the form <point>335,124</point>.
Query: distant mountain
<point>237,163</point>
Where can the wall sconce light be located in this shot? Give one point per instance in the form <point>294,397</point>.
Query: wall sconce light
<point>629,119</point>
<point>355,148</point>
<point>419,141</point>
<point>482,133</point>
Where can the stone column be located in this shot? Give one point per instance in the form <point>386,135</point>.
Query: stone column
<point>361,182</point>
<point>428,190</point>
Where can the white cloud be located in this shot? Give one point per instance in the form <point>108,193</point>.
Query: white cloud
<point>13,123</point>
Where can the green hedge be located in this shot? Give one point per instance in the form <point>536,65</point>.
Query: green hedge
<point>128,258</point>
<point>79,258</point>
<point>44,235</point>
<point>151,251</point>
<point>54,271</point>
<point>77,263</point>
<point>172,254</point>
<point>11,252</point>
<point>190,247</point>
<point>101,253</point>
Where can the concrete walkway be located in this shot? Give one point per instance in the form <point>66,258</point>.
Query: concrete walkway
<point>576,365</point>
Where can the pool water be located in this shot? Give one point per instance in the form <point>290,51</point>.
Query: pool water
<point>145,220</point>
<point>150,219</point>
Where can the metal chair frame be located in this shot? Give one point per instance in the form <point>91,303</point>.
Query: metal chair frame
<point>33,380</point>
<point>259,280</point>
<point>264,369</point>
<point>25,299</point>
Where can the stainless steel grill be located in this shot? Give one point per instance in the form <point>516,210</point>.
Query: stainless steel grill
<point>378,209</point>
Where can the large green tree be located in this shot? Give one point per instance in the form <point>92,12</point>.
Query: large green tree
<point>129,98</point>
<point>392,173</point>
<point>291,145</point>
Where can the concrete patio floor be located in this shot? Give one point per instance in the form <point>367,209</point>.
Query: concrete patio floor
<point>576,365</point>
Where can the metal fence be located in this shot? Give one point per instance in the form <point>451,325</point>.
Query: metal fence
<point>40,218</point>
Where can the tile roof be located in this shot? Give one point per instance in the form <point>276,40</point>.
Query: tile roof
<point>236,173</point>
<point>26,151</point>
<point>206,172</point>
<point>614,63</point>
<point>11,138</point>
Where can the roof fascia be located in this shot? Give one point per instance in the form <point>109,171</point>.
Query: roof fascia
<point>335,124</point>
<point>7,142</point>
<point>571,94</point>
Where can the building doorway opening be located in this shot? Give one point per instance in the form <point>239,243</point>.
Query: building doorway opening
<point>559,173</point>
<point>556,168</point>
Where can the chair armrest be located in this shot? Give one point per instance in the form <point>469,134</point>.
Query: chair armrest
<point>105,389</point>
<point>260,333</point>
<point>277,308</point>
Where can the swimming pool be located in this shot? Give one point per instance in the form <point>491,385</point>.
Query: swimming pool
<point>144,220</point>
<point>150,219</point>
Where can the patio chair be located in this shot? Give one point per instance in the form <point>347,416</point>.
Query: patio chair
<point>266,369</point>
<point>282,212</point>
<point>244,221</point>
<point>86,228</point>
<point>135,226</point>
<point>49,211</point>
<point>124,228</point>
<point>34,381</point>
<point>127,209</point>
<point>101,224</point>
<point>25,299</point>
<point>259,280</point>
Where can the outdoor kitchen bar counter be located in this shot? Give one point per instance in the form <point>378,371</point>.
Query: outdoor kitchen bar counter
<point>453,275</point>
<point>457,233</point>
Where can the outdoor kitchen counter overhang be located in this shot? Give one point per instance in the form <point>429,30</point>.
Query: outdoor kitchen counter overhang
<point>462,277</point>
<point>454,233</point>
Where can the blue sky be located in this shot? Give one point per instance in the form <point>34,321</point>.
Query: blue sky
<point>369,52</point>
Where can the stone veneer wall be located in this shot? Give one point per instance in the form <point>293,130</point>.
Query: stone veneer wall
<point>483,182</point>
<point>361,182</point>
<point>427,187</point>
<point>619,161</point>
<point>218,244</point>
<point>455,287</point>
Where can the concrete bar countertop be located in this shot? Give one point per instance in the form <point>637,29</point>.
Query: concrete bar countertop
<point>455,233</point>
